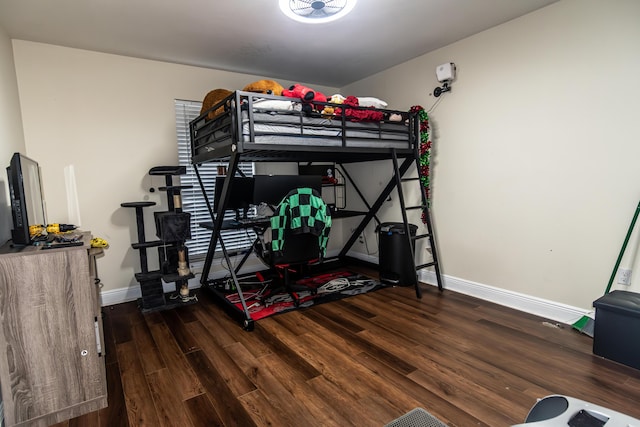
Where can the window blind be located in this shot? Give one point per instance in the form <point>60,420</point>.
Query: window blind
<point>193,200</point>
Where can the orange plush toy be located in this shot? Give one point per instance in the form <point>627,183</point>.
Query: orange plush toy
<point>269,87</point>
<point>211,99</point>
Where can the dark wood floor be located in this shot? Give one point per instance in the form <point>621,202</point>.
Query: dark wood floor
<point>362,361</point>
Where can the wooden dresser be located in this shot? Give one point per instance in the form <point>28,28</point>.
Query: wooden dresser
<point>51,344</point>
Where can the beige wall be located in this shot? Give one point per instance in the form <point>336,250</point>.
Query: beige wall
<point>11,136</point>
<point>112,118</point>
<point>536,155</point>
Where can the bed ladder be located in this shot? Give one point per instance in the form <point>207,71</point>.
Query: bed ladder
<point>424,206</point>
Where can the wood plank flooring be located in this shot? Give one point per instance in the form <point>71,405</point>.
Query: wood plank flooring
<point>362,361</point>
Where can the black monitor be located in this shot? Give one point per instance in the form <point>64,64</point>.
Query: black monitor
<point>27,202</point>
<point>240,195</point>
<point>271,189</point>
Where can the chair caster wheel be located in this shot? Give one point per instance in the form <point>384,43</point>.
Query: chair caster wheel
<point>248,325</point>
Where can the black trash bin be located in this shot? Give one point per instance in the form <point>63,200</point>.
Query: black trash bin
<point>395,263</point>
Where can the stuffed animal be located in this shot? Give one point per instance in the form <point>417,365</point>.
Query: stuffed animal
<point>329,110</point>
<point>319,101</point>
<point>269,87</point>
<point>211,99</point>
<point>312,100</point>
<point>298,91</point>
<point>395,117</point>
<point>337,99</point>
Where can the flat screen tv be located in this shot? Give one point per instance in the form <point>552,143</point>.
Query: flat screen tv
<point>271,189</point>
<point>27,202</point>
<point>240,196</point>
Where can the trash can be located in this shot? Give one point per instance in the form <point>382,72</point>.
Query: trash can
<point>395,263</point>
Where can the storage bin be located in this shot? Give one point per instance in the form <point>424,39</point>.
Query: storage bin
<point>617,327</point>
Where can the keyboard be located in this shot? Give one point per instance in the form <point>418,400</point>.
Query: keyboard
<point>253,221</point>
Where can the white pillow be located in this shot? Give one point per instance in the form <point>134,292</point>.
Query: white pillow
<point>275,104</point>
<point>368,101</point>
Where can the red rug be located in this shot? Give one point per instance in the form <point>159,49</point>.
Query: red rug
<point>265,300</point>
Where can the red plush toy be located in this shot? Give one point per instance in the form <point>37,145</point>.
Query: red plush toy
<point>309,96</point>
<point>356,115</point>
<point>298,91</point>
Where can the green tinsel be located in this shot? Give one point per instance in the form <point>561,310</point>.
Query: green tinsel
<point>424,155</point>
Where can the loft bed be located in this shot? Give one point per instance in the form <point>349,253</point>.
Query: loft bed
<point>253,127</point>
<point>273,128</point>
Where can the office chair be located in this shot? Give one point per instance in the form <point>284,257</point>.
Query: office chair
<point>300,233</point>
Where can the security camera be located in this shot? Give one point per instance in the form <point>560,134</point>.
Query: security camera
<point>446,72</point>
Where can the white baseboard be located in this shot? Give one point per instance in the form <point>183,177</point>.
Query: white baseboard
<point>537,306</point>
<point>133,292</point>
<point>529,304</point>
<point>552,310</point>
<point>364,257</point>
<point>118,296</point>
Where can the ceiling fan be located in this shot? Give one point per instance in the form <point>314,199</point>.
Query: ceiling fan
<point>316,11</point>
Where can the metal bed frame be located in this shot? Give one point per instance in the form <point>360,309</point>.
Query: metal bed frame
<point>233,136</point>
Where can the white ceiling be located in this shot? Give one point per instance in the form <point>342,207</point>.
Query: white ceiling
<point>254,37</point>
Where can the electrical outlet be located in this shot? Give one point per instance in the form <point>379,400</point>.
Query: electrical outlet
<point>624,276</point>
<point>360,237</point>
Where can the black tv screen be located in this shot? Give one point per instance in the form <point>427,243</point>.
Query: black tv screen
<point>271,189</point>
<point>240,196</point>
<point>27,202</point>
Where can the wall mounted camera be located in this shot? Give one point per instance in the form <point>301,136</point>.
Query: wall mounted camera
<point>445,73</point>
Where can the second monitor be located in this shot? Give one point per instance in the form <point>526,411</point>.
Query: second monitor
<point>271,189</point>
<point>240,197</point>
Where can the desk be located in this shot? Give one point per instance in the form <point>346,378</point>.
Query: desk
<point>232,224</point>
<point>264,222</point>
<point>258,225</point>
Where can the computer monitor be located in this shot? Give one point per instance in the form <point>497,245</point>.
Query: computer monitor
<point>240,195</point>
<point>27,202</point>
<point>271,189</point>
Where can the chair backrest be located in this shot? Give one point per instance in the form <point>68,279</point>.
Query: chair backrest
<point>299,248</point>
<point>300,227</point>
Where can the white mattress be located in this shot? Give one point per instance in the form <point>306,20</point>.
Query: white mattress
<point>289,129</point>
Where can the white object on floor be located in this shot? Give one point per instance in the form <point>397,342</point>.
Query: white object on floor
<point>556,410</point>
